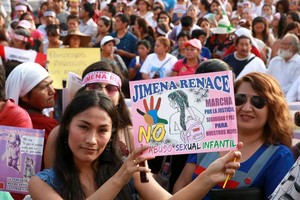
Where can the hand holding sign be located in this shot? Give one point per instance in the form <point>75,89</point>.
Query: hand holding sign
<point>151,116</point>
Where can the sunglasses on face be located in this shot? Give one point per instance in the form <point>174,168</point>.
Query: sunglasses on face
<point>256,101</point>
<point>110,89</point>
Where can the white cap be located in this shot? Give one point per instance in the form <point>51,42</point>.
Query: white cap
<point>109,38</point>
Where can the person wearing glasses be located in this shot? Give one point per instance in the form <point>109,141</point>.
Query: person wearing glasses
<point>113,88</point>
<point>88,164</point>
<point>265,128</point>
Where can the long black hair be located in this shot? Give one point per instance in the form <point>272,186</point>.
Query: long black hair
<point>105,166</point>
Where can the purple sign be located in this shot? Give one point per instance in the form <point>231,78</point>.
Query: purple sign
<point>21,152</point>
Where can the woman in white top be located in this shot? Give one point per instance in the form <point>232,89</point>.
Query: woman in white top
<point>53,35</point>
<point>160,63</point>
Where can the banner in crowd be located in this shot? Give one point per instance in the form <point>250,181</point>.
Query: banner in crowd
<point>9,53</point>
<point>184,114</point>
<point>64,60</point>
<point>21,152</point>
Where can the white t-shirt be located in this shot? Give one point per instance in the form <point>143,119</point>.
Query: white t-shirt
<point>153,65</point>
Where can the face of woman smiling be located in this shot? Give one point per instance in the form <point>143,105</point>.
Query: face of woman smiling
<point>89,132</point>
<point>250,118</point>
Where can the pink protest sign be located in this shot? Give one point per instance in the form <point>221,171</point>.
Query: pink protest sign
<point>21,152</point>
<point>184,114</point>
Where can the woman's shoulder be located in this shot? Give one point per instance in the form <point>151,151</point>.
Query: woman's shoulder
<point>49,177</point>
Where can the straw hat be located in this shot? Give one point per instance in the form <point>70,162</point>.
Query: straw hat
<point>84,39</point>
<point>146,1</point>
<point>224,27</point>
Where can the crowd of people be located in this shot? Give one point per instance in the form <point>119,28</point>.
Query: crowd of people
<point>145,39</point>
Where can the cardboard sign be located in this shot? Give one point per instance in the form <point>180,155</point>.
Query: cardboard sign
<point>64,60</point>
<point>184,114</point>
<point>21,152</point>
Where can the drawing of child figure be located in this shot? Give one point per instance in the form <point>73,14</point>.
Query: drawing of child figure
<point>29,168</point>
<point>187,121</point>
<point>12,152</point>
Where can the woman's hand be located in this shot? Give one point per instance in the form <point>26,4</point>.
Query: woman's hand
<point>132,165</point>
<point>220,168</point>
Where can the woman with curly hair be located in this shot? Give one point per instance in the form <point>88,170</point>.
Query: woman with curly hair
<point>265,127</point>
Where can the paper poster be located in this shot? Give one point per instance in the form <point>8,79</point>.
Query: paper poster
<point>21,152</point>
<point>74,84</point>
<point>184,114</point>
<point>9,53</point>
<point>64,60</point>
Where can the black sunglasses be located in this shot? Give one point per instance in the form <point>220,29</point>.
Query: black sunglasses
<point>257,101</point>
<point>111,89</point>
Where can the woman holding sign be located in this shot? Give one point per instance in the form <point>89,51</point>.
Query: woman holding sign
<point>110,81</point>
<point>88,162</point>
<point>265,128</point>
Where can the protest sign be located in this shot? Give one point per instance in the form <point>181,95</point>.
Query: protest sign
<point>184,114</point>
<point>21,152</point>
<point>64,60</point>
<point>21,55</point>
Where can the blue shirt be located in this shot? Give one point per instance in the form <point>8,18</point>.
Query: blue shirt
<point>138,75</point>
<point>205,53</point>
<point>127,43</point>
<point>271,174</point>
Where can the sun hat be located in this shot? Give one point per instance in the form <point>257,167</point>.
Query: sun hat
<point>107,39</point>
<point>194,43</point>
<point>224,27</point>
<point>24,24</point>
<point>84,39</point>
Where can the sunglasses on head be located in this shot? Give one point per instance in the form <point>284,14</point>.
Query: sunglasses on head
<point>256,101</point>
<point>111,89</point>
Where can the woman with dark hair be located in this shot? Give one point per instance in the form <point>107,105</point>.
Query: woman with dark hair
<point>144,32</point>
<point>282,6</point>
<point>204,24</point>
<point>53,34</point>
<point>114,90</point>
<point>105,27</point>
<point>292,17</point>
<point>278,25</point>
<point>260,30</point>
<point>164,17</point>
<point>179,50</point>
<point>88,162</point>
<point>204,8</point>
<point>265,127</point>
<point>143,49</point>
